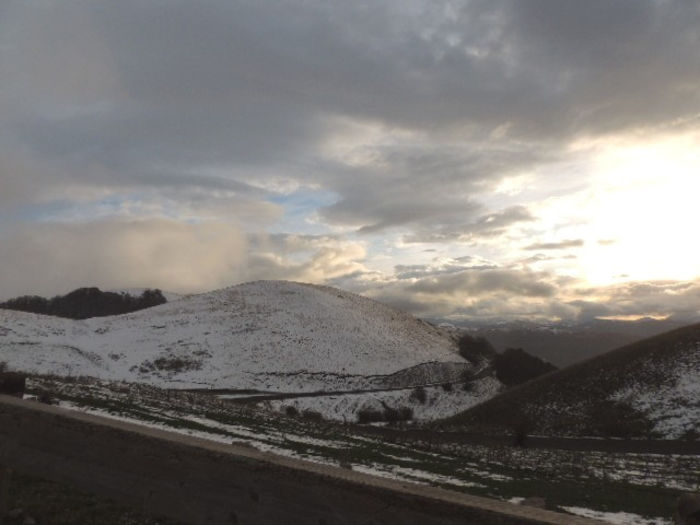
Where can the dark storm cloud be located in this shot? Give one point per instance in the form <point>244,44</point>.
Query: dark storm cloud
<point>251,84</point>
<point>605,65</point>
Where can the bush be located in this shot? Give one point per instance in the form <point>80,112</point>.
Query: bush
<point>369,415</point>
<point>312,415</point>
<point>691,435</point>
<point>291,411</point>
<point>447,387</point>
<point>521,429</point>
<point>394,415</point>
<point>419,395</point>
<point>618,419</point>
<point>515,366</point>
<point>45,397</point>
<point>475,349</point>
<point>12,383</point>
<point>176,364</point>
<point>467,379</point>
<point>390,415</point>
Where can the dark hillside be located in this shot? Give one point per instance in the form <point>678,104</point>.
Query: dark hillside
<point>644,389</point>
<point>512,367</point>
<point>475,349</point>
<point>515,366</point>
<point>85,302</point>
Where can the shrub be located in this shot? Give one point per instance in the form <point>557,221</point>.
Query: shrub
<point>312,415</point>
<point>475,349</point>
<point>521,429</point>
<point>691,435</point>
<point>467,379</point>
<point>45,397</point>
<point>419,395</point>
<point>176,364</point>
<point>12,383</point>
<point>619,419</point>
<point>291,411</point>
<point>515,366</point>
<point>391,415</point>
<point>447,387</point>
<point>369,415</point>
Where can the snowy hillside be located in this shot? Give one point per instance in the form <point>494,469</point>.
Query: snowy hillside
<point>436,402</point>
<point>267,335</point>
<point>647,389</point>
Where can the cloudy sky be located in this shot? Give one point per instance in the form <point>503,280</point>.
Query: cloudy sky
<point>460,159</point>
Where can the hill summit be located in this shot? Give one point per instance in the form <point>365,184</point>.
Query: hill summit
<point>267,335</point>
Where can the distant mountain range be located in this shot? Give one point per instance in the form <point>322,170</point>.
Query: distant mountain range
<point>563,344</point>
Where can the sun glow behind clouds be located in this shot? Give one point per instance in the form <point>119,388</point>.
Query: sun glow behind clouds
<point>646,198</point>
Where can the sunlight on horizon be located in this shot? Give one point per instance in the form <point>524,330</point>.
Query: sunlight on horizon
<point>645,197</point>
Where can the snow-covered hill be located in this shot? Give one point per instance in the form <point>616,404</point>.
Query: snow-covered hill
<point>647,389</point>
<point>266,335</point>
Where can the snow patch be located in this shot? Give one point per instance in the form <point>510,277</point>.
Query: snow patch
<point>617,518</point>
<point>674,406</point>
<point>439,403</point>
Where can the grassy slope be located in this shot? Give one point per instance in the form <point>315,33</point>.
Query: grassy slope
<point>610,482</point>
<point>576,399</point>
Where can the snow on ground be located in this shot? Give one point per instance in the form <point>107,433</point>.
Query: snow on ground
<point>618,518</point>
<point>414,475</point>
<point>674,406</point>
<point>495,471</point>
<point>281,444</point>
<point>438,403</point>
<point>266,335</point>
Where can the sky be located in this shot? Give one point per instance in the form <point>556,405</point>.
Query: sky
<point>462,160</point>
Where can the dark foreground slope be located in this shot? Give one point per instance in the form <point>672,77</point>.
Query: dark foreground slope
<point>646,389</point>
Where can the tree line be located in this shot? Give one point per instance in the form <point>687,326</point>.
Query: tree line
<point>86,302</point>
